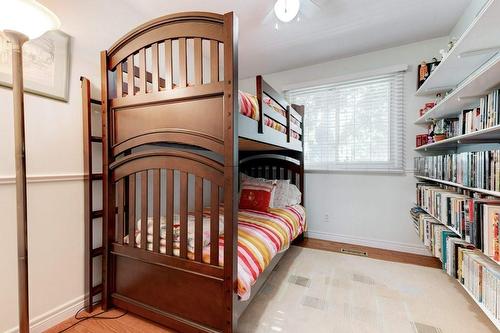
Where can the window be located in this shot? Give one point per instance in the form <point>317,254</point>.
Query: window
<point>354,126</point>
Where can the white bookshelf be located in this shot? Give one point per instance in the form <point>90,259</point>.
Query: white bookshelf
<point>488,314</point>
<point>445,182</point>
<point>441,222</point>
<point>491,134</point>
<point>480,83</point>
<point>474,48</point>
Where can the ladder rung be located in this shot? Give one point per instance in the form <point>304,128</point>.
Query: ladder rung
<point>95,101</point>
<point>97,252</point>
<point>95,138</point>
<point>96,289</point>
<point>96,214</point>
<point>96,176</point>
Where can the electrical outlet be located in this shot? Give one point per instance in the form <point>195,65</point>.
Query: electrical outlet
<point>326,218</point>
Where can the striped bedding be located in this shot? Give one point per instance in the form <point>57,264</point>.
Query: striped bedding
<point>260,237</point>
<point>249,107</point>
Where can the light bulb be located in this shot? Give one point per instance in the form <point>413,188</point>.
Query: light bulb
<point>286,10</point>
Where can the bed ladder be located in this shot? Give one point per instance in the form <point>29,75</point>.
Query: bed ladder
<point>90,215</point>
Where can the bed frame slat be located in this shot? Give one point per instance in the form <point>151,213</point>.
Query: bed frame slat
<point>156,210</point>
<point>130,76</point>
<point>131,210</point>
<point>198,216</point>
<point>170,212</point>
<point>214,225</point>
<point>183,214</point>
<point>119,230</point>
<point>214,61</point>
<point>142,71</point>
<point>168,64</point>
<point>119,81</point>
<point>155,69</point>
<point>144,209</point>
<point>198,62</point>
<point>182,63</point>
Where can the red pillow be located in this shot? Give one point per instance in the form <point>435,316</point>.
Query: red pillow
<point>256,195</point>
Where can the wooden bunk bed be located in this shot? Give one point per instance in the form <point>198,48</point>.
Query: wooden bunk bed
<point>173,139</point>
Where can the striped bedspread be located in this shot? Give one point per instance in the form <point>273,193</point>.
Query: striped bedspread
<point>260,237</point>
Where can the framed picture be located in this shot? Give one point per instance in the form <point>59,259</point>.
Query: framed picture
<point>45,65</point>
<point>424,70</point>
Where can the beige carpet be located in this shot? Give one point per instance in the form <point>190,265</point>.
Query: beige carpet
<point>318,291</point>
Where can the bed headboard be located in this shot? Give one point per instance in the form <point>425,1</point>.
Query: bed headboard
<point>275,166</point>
<point>183,65</point>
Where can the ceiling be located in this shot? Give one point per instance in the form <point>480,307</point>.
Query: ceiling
<point>340,28</point>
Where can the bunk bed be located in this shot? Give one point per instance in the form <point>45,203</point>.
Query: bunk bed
<point>176,133</point>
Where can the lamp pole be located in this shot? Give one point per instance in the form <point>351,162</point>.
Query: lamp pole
<point>17,40</point>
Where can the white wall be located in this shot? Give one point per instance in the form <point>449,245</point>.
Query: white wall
<point>55,209</point>
<point>368,209</point>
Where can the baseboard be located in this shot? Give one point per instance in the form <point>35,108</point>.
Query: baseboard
<point>377,243</point>
<point>53,317</point>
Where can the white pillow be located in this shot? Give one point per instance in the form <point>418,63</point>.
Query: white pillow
<point>294,195</point>
<point>280,199</point>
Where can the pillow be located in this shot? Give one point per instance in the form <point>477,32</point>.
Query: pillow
<point>280,198</point>
<point>286,195</point>
<point>294,195</point>
<point>256,194</point>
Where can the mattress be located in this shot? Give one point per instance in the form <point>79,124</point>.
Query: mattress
<point>261,236</point>
<point>249,107</point>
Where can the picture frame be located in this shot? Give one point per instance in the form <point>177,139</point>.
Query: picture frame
<point>429,68</point>
<point>46,65</point>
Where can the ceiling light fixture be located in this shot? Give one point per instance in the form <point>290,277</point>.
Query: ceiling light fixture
<point>286,10</point>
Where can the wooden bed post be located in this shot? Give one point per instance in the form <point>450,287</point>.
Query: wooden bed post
<point>300,110</point>
<point>231,161</point>
<point>258,92</point>
<point>108,219</point>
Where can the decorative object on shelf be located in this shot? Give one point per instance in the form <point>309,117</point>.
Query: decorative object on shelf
<point>439,98</point>
<point>45,62</point>
<point>421,140</point>
<point>426,108</point>
<point>21,20</point>
<point>425,69</point>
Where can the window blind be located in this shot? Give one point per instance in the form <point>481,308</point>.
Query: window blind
<point>354,126</point>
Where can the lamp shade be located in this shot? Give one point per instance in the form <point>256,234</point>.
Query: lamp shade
<point>286,10</point>
<point>27,17</point>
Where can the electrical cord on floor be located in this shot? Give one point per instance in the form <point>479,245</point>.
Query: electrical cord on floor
<point>94,316</point>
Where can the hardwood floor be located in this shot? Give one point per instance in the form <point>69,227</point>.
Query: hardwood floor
<point>374,253</point>
<point>129,323</point>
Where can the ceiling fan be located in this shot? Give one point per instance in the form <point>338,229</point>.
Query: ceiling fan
<point>285,11</point>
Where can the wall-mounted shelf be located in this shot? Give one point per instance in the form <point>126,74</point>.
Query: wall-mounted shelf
<point>488,314</point>
<point>482,136</point>
<point>445,182</point>
<point>480,83</point>
<point>474,48</point>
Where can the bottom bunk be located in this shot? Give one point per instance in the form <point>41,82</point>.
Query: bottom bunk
<point>261,236</point>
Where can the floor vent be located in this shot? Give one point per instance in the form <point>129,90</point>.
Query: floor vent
<point>423,328</point>
<point>354,252</point>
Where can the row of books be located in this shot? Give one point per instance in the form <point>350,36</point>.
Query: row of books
<point>461,260</point>
<point>472,169</point>
<point>485,116</point>
<point>473,219</point>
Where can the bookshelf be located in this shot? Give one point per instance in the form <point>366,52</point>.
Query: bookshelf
<point>470,71</point>
<point>474,48</point>
<point>474,189</point>
<point>482,307</point>
<point>434,217</point>
<point>491,134</point>
<point>484,79</point>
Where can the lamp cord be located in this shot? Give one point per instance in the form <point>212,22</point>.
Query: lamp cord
<point>94,316</point>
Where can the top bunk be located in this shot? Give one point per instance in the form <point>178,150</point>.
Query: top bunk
<point>267,121</point>
<point>174,80</point>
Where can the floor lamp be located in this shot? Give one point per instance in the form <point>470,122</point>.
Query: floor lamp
<point>21,20</point>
